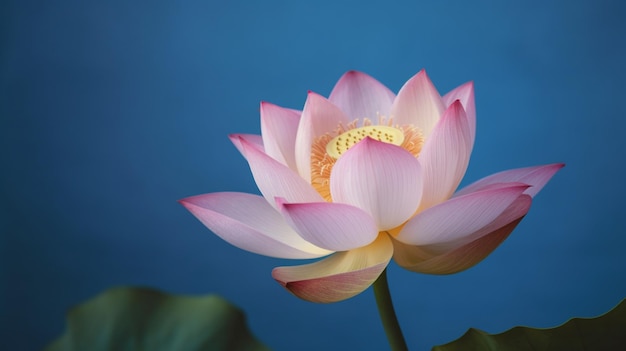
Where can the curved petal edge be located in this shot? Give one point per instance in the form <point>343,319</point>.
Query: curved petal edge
<point>360,96</point>
<point>333,226</point>
<point>453,261</point>
<point>382,179</point>
<point>338,277</point>
<point>537,177</point>
<point>279,127</point>
<point>274,179</point>
<point>459,217</point>
<point>248,222</point>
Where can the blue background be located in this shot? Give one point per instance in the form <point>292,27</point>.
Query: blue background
<point>111,111</point>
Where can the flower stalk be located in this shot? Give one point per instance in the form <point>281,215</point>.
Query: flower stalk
<point>388,314</point>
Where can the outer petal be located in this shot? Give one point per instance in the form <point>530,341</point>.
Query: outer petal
<point>380,178</point>
<point>319,117</point>
<point>418,103</point>
<point>338,277</point>
<point>275,179</point>
<point>332,226</point>
<point>252,139</point>
<point>278,128</point>
<point>536,176</point>
<point>421,260</point>
<point>361,96</point>
<point>445,156</point>
<point>458,218</point>
<point>250,223</point>
<point>465,94</point>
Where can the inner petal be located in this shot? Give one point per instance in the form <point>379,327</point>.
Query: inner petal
<point>325,151</point>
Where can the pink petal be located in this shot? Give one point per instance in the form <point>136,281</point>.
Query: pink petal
<point>416,259</point>
<point>418,103</point>
<point>338,277</point>
<point>250,223</point>
<point>332,226</point>
<point>251,139</point>
<point>278,128</point>
<point>275,179</point>
<point>360,96</point>
<point>380,178</point>
<point>464,93</point>
<point>516,210</point>
<point>445,156</point>
<point>319,117</point>
<point>536,177</point>
<point>459,217</point>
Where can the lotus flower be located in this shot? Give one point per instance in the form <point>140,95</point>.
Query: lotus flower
<point>363,177</point>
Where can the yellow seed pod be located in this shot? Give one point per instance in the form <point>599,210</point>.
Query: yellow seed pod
<point>344,141</point>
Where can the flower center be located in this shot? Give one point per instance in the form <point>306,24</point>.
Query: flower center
<point>327,148</point>
<point>344,141</point>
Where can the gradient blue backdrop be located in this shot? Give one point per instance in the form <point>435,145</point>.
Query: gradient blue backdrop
<point>112,110</point>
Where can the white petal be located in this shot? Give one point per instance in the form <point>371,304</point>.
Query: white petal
<point>338,277</point>
<point>382,179</point>
<point>445,156</point>
<point>418,103</point>
<point>360,96</point>
<point>459,217</point>
<point>275,179</point>
<point>333,226</point>
<point>465,94</point>
<point>319,117</point>
<point>279,127</point>
<point>536,177</point>
<point>250,223</point>
<point>423,259</point>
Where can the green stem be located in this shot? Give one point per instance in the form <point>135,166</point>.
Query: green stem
<point>388,314</point>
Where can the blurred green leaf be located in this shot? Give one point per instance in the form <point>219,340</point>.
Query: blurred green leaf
<point>146,319</point>
<point>606,332</point>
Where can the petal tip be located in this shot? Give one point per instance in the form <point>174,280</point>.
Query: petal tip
<point>236,138</point>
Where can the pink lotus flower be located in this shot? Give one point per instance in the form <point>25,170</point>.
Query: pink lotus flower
<point>362,177</point>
